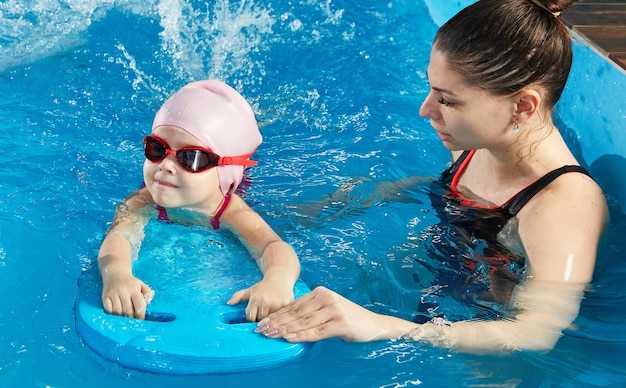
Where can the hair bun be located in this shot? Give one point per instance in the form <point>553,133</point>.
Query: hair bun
<point>555,7</point>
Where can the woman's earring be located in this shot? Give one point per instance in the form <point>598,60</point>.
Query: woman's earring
<point>515,127</point>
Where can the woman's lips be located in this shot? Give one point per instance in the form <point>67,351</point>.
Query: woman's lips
<point>443,136</point>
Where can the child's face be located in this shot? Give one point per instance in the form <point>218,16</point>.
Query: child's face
<point>171,185</point>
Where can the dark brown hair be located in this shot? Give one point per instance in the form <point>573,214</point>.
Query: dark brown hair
<point>503,46</point>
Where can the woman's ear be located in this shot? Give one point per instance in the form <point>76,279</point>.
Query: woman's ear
<point>526,104</point>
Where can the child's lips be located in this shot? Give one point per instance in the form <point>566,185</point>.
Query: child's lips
<point>164,183</point>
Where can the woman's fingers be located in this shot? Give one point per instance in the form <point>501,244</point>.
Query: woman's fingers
<point>310,318</point>
<point>292,312</point>
<point>318,332</point>
<point>324,314</point>
<point>311,327</point>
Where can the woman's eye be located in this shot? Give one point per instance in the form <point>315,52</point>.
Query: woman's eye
<point>444,102</point>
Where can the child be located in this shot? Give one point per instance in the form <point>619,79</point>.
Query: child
<point>202,137</point>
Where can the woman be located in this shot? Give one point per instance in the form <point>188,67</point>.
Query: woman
<point>496,72</point>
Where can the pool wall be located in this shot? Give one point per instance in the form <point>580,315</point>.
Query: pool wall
<point>592,106</point>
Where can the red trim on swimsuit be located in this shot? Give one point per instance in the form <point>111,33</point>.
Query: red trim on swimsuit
<point>517,201</point>
<point>455,181</point>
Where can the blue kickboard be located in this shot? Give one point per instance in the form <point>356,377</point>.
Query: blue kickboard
<point>188,330</point>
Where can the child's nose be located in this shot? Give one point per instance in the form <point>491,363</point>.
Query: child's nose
<point>168,163</point>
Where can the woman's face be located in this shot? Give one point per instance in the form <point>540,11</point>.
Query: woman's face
<point>464,117</point>
<point>171,185</point>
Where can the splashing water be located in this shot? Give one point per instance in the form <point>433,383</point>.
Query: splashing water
<point>229,33</point>
<point>200,42</point>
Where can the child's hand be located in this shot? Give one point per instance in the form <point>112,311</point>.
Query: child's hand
<point>263,298</point>
<point>124,294</point>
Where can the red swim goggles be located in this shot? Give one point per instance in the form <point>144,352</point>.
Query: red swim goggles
<point>192,159</point>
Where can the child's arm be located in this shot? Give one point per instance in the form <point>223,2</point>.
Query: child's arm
<point>276,259</point>
<point>122,293</point>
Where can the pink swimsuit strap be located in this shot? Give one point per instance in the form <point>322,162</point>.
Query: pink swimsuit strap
<point>215,222</point>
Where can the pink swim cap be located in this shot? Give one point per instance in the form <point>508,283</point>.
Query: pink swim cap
<point>220,118</point>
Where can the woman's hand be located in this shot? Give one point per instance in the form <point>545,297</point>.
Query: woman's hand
<point>324,314</point>
<point>124,294</point>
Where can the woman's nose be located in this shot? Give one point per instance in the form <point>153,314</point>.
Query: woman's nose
<point>427,110</point>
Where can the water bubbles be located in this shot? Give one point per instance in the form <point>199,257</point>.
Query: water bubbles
<point>295,25</point>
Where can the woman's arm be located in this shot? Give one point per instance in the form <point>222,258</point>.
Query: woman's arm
<point>275,258</point>
<point>560,232</point>
<point>360,193</point>
<point>542,312</point>
<point>545,310</point>
<point>122,293</point>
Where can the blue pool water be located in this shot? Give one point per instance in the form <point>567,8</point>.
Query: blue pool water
<point>336,86</point>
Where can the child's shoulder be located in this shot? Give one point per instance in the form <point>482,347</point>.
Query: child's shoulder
<point>139,199</point>
<point>238,212</point>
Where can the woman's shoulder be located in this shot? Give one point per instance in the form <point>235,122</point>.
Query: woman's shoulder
<point>569,185</point>
<point>571,195</point>
<point>574,181</point>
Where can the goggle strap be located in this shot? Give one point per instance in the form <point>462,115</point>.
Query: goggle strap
<point>240,160</point>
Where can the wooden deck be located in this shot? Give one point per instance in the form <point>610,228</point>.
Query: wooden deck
<point>603,24</point>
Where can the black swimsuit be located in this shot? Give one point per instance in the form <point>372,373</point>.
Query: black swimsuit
<point>510,208</point>
<point>476,267</point>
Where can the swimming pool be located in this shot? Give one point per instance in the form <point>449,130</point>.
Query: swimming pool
<point>336,86</point>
